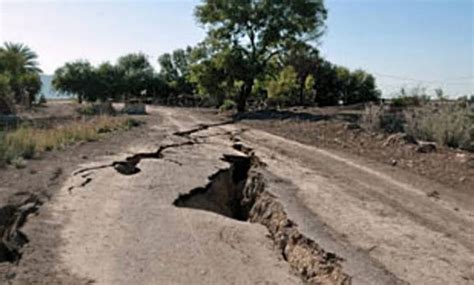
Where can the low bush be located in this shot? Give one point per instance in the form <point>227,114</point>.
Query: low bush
<point>450,125</point>
<point>447,124</point>
<point>97,109</point>
<point>413,98</point>
<point>42,100</point>
<point>380,118</point>
<point>26,141</point>
<point>227,105</point>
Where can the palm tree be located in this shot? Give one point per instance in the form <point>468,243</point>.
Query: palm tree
<point>19,58</point>
<point>20,63</point>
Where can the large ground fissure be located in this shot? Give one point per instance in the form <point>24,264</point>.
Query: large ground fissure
<point>239,192</point>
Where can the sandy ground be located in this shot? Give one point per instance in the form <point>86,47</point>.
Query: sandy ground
<point>103,227</point>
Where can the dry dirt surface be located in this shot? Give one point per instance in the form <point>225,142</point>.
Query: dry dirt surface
<point>190,198</point>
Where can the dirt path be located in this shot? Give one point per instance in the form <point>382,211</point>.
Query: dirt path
<point>118,225</point>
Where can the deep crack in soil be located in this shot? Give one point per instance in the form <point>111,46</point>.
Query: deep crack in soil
<point>239,192</point>
<point>12,217</point>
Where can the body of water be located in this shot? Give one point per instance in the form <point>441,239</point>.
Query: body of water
<point>47,88</point>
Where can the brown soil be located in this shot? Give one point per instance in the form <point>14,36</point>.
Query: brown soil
<point>337,129</point>
<point>38,182</point>
<point>239,193</point>
<point>331,128</point>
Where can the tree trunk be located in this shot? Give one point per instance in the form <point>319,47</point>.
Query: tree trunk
<point>302,92</point>
<point>245,91</point>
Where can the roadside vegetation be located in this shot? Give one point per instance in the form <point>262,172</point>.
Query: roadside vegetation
<point>20,80</point>
<point>252,57</point>
<point>446,122</point>
<point>256,55</point>
<point>28,141</point>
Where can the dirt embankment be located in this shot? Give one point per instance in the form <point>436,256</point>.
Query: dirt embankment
<point>338,129</point>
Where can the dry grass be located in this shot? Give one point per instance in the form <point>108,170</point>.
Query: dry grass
<point>380,118</point>
<point>450,125</point>
<point>447,124</point>
<point>27,141</point>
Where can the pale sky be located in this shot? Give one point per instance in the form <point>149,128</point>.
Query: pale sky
<point>402,42</point>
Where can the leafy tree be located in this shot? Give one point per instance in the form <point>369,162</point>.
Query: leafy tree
<point>76,78</point>
<point>304,59</point>
<point>285,89</point>
<point>137,71</point>
<point>326,84</point>
<point>251,32</point>
<point>30,86</point>
<point>5,89</point>
<point>168,70</point>
<point>309,84</point>
<point>175,70</point>
<point>110,83</point>
<point>334,84</point>
<point>361,88</point>
<point>210,75</point>
<point>157,87</point>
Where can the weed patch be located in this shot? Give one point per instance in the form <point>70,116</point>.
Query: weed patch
<point>27,141</point>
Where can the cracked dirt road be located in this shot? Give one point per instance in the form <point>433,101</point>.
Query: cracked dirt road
<point>121,227</point>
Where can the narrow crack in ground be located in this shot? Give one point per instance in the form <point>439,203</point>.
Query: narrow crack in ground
<point>129,166</point>
<point>12,217</point>
<point>238,192</point>
<point>202,127</point>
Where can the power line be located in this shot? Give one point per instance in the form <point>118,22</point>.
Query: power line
<point>469,78</point>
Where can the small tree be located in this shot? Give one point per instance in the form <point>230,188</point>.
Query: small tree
<point>76,78</point>
<point>175,70</point>
<point>137,72</point>
<point>304,59</point>
<point>284,90</point>
<point>5,90</point>
<point>211,76</point>
<point>110,81</point>
<point>326,84</point>
<point>30,86</point>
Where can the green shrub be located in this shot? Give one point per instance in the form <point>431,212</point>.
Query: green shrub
<point>227,105</point>
<point>132,123</point>
<point>18,162</point>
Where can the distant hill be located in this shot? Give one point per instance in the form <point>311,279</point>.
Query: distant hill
<point>47,88</point>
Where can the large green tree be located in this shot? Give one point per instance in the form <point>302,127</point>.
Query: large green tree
<point>110,83</point>
<point>77,78</point>
<point>175,70</point>
<point>304,59</point>
<point>337,84</point>
<point>212,74</point>
<point>252,32</point>
<point>137,72</point>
